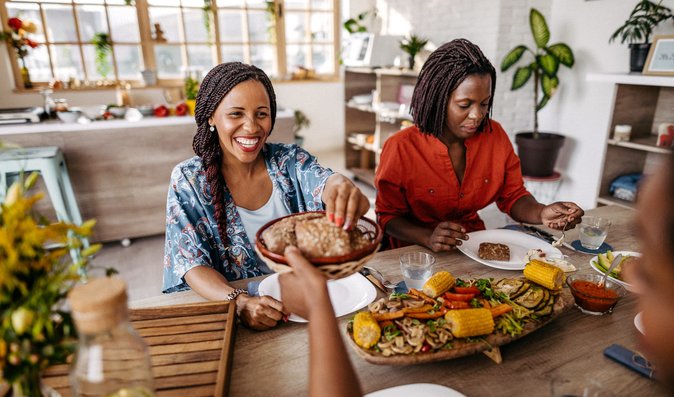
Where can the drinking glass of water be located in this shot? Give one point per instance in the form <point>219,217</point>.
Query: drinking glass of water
<point>417,267</point>
<point>593,231</point>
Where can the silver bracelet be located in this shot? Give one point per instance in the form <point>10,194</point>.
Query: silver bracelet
<point>232,295</point>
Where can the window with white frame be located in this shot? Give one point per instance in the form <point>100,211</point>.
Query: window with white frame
<point>172,36</point>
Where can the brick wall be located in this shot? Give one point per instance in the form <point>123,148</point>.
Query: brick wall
<point>494,25</point>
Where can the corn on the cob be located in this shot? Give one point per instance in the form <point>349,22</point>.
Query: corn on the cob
<point>470,322</point>
<point>366,331</point>
<point>438,284</point>
<point>545,274</point>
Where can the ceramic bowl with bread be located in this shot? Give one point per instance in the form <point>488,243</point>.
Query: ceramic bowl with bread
<point>336,252</point>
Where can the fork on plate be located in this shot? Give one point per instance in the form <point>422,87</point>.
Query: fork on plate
<point>560,240</point>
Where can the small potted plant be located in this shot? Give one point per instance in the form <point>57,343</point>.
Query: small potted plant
<point>638,29</point>
<point>191,90</point>
<point>412,46</point>
<point>301,121</point>
<point>537,150</point>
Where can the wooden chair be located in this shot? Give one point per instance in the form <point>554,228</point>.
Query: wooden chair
<point>191,349</point>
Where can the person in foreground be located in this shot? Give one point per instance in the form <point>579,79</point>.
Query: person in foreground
<point>304,291</point>
<point>433,177</point>
<point>237,182</point>
<point>653,274</point>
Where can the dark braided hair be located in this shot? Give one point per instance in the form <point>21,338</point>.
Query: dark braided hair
<point>218,83</point>
<point>444,70</point>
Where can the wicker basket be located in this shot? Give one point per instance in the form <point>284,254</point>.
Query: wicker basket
<point>333,267</point>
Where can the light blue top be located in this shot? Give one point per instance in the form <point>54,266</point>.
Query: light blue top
<point>253,220</point>
<point>192,237</point>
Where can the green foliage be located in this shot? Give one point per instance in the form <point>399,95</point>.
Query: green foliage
<point>356,25</point>
<point>545,64</point>
<point>103,48</point>
<point>36,274</point>
<point>413,44</point>
<point>641,22</point>
<point>207,13</point>
<point>191,87</point>
<point>301,121</point>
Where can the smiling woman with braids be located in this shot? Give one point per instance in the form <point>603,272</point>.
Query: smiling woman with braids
<point>237,182</point>
<point>433,177</point>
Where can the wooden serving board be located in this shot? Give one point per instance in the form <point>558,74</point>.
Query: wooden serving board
<point>462,347</point>
<point>191,348</point>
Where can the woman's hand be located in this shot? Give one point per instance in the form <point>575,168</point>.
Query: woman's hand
<point>259,312</point>
<point>305,288</point>
<point>446,236</point>
<point>344,202</point>
<point>561,215</point>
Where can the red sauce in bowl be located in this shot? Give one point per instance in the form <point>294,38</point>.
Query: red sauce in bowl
<point>591,297</point>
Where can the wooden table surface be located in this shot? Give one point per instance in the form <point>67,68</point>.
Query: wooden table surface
<point>275,362</point>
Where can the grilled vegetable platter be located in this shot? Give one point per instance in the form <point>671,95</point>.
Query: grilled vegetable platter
<point>453,317</point>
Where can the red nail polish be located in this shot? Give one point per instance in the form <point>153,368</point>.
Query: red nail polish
<point>331,217</point>
<point>285,319</point>
<point>339,221</point>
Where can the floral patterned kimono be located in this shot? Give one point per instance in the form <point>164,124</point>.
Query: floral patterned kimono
<point>192,237</point>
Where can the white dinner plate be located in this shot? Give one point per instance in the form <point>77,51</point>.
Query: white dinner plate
<point>624,253</point>
<point>416,389</point>
<point>518,242</point>
<point>347,294</point>
<point>639,324</point>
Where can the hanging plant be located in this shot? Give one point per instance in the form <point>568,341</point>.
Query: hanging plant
<point>207,10</point>
<point>103,47</point>
<point>271,20</point>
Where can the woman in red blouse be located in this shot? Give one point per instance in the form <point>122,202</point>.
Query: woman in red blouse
<point>433,177</point>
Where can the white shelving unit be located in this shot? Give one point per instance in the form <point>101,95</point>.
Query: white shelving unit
<point>377,120</point>
<point>642,102</point>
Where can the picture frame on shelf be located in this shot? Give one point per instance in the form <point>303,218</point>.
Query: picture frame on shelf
<point>405,92</point>
<point>660,60</point>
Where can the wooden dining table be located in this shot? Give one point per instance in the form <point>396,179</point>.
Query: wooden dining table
<point>275,362</point>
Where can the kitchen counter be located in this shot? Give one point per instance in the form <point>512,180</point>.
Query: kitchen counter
<point>282,130</point>
<point>58,126</point>
<point>120,169</point>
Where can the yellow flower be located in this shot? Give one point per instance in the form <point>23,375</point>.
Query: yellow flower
<point>22,319</point>
<point>29,27</point>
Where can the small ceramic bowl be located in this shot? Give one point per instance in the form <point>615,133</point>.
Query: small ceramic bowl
<point>69,116</point>
<point>117,111</point>
<point>146,110</point>
<point>592,299</point>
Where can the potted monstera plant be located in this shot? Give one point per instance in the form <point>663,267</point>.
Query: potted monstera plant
<point>538,150</point>
<point>638,28</point>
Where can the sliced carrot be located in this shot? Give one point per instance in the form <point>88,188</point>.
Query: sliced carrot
<point>389,316</point>
<point>422,309</point>
<point>486,304</point>
<point>500,309</point>
<point>427,316</point>
<point>456,305</point>
<point>419,294</point>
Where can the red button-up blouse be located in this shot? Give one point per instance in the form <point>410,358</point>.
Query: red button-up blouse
<point>415,179</point>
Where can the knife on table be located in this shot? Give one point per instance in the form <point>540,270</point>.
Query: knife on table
<point>365,272</point>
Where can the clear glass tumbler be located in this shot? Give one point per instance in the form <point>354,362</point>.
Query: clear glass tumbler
<point>593,231</point>
<point>416,267</point>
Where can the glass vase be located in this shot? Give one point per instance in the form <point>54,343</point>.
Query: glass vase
<point>25,75</point>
